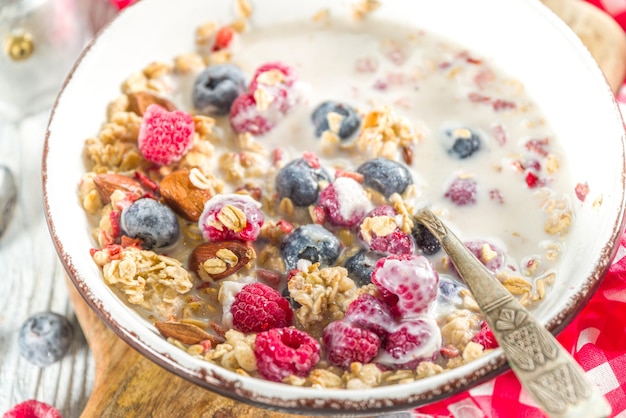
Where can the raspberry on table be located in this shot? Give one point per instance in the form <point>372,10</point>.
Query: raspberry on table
<point>407,283</point>
<point>32,409</point>
<point>462,191</point>
<point>346,343</point>
<point>413,341</point>
<point>371,313</point>
<point>485,337</point>
<point>381,233</point>
<point>165,137</point>
<point>258,307</point>
<point>231,216</point>
<point>345,202</point>
<point>281,352</point>
<point>45,337</point>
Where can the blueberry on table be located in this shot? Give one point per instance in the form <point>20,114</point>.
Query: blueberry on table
<point>465,142</point>
<point>45,338</point>
<point>300,182</point>
<point>152,222</point>
<point>347,119</point>
<point>310,242</point>
<point>425,240</point>
<point>361,265</point>
<point>385,176</point>
<point>217,87</point>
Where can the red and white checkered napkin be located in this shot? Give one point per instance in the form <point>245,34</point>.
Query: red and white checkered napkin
<point>597,340</point>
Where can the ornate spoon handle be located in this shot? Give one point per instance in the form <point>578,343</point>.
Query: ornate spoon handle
<point>544,368</point>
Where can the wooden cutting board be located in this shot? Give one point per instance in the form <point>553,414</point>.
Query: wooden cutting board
<point>129,385</point>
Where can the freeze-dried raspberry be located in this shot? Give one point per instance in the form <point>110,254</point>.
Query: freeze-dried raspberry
<point>487,253</point>
<point>231,216</point>
<point>32,409</point>
<point>413,341</point>
<point>345,202</point>
<point>277,80</point>
<point>247,117</point>
<point>485,337</point>
<point>258,307</point>
<point>281,352</point>
<point>407,283</point>
<point>371,313</point>
<point>462,191</point>
<point>164,137</point>
<point>394,242</point>
<point>346,343</point>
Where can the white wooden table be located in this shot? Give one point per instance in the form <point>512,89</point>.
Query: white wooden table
<point>32,280</point>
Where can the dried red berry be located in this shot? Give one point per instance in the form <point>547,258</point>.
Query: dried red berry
<point>258,307</point>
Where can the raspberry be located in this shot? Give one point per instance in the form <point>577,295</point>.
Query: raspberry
<point>258,307</point>
<point>346,343</point>
<point>488,254</point>
<point>231,216</point>
<point>389,241</point>
<point>164,137</point>
<point>345,202</point>
<point>32,409</point>
<point>370,313</point>
<point>223,38</point>
<point>276,80</point>
<point>462,191</point>
<point>485,337</point>
<point>281,352</point>
<point>412,342</point>
<point>247,117</point>
<point>408,283</point>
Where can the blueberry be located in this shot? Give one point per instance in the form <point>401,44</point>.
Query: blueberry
<point>349,124</point>
<point>361,265</point>
<point>449,290</point>
<point>45,338</point>
<point>217,87</point>
<point>464,142</point>
<point>310,242</point>
<point>425,240</point>
<point>292,302</point>
<point>300,182</point>
<point>152,222</point>
<point>385,176</point>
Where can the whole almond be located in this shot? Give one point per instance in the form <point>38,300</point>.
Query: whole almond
<point>139,101</point>
<point>180,194</point>
<point>106,184</point>
<point>185,333</point>
<point>219,259</point>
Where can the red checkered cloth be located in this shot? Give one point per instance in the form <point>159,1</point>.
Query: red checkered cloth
<point>596,339</point>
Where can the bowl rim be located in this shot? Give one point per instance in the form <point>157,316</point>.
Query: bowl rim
<point>493,364</point>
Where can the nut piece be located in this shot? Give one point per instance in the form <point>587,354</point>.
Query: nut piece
<point>106,184</point>
<point>186,199</point>
<point>219,259</point>
<point>185,333</point>
<point>139,101</point>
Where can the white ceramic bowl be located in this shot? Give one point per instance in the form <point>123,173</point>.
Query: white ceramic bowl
<point>521,36</point>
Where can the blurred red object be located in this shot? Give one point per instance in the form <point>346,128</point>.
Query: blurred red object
<point>615,8</point>
<point>120,4</point>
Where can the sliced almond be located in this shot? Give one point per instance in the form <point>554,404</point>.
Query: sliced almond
<point>139,101</point>
<point>185,198</point>
<point>106,184</point>
<point>219,259</point>
<point>185,333</point>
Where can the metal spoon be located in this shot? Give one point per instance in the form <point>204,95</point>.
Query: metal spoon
<point>8,197</point>
<point>553,378</point>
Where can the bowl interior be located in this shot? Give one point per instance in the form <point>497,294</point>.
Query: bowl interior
<point>567,85</point>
